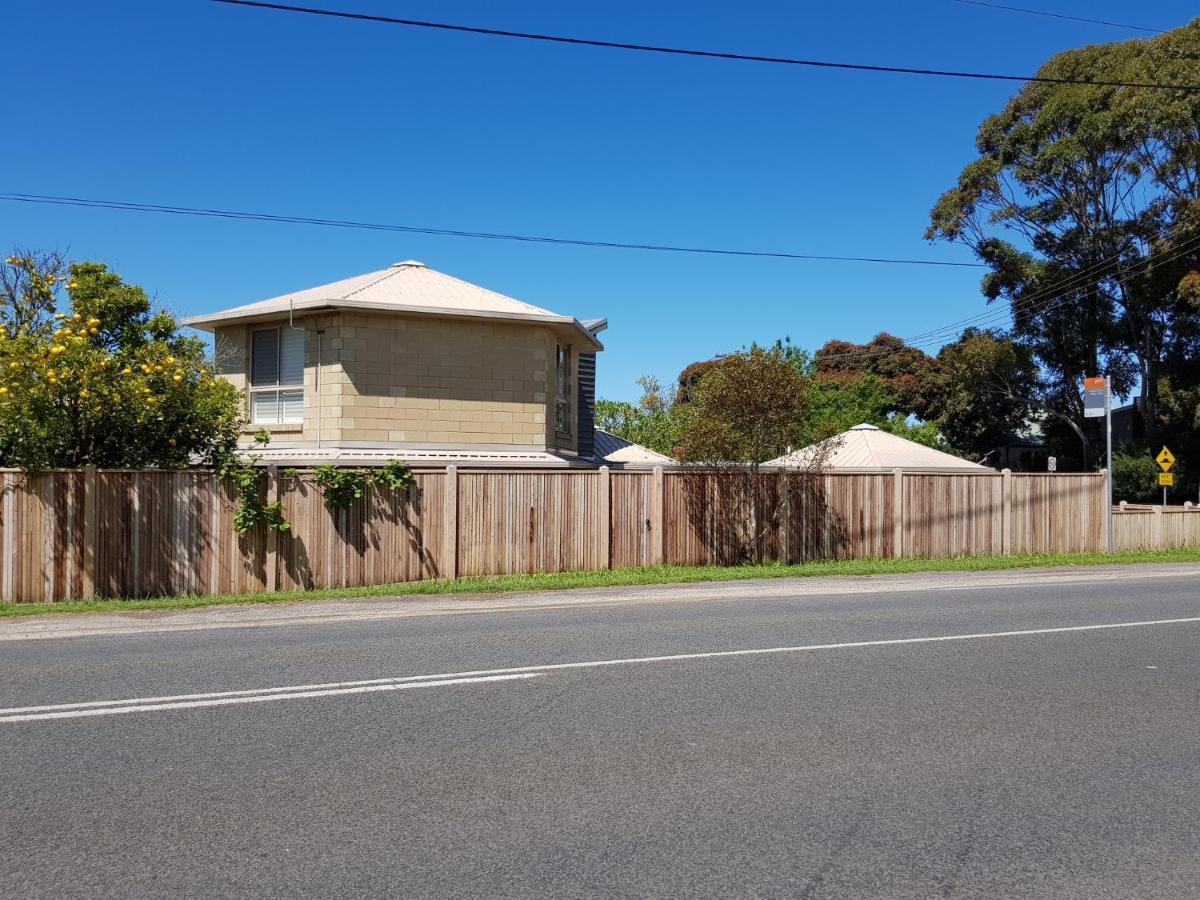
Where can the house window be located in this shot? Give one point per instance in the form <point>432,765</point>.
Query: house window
<point>277,376</point>
<point>562,398</point>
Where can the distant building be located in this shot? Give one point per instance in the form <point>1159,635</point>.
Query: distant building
<point>868,448</point>
<point>619,453</point>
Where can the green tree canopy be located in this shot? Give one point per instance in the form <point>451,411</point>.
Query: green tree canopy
<point>990,383</point>
<point>1084,202</point>
<point>747,409</point>
<point>652,422</point>
<point>91,373</point>
<point>910,375</point>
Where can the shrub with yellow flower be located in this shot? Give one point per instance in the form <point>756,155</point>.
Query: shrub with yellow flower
<point>111,382</point>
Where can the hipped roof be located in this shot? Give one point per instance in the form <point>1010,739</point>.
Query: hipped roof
<point>870,447</point>
<point>408,287</point>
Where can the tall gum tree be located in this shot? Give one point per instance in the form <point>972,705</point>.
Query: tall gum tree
<point>1084,202</point>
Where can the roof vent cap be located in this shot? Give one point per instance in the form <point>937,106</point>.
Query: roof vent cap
<point>409,262</point>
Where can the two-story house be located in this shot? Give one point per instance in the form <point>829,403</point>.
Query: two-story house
<point>413,364</point>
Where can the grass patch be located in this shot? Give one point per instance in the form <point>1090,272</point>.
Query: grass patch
<point>507,584</point>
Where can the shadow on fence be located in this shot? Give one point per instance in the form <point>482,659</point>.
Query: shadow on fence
<point>743,517</point>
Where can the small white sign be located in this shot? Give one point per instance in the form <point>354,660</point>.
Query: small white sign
<point>1052,464</point>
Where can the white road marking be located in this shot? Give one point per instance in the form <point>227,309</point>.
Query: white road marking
<point>258,695</point>
<point>116,707</point>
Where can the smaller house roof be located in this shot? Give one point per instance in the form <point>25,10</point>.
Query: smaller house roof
<point>869,447</point>
<point>613,450</point>
<point>405,287</point>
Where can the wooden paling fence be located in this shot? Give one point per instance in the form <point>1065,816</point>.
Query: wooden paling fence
<point>89,533</point>
<point>1155,527</point>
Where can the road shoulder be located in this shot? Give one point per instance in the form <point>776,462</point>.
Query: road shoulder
<point>315,612</point>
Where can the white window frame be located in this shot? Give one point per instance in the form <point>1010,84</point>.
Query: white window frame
<point>279,388</point>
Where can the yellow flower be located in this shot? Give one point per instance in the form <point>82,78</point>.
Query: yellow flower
<point>158,368</point>
<point>127,371</point>
<point>14,365</point>
<point>60,315</point>
<point>151,400</point>
<point>84,393</point>
<point>177,378</point>
<point>93,331</point>
<point>73,285</point>
<point>93,322</point>
<point>57,349</point>
<point>170,360</point>
<point>145,390</point>
<point>78,317</point>
<point>146,369</point>
<point>3,390</point>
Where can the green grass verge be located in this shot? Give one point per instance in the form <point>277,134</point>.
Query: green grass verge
<point>618,578</point>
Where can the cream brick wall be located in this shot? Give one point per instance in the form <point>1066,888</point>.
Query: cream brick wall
<point>442,382</point>
<point>393,380</point>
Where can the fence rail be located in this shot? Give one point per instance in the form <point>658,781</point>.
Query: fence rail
<point>88,533</point>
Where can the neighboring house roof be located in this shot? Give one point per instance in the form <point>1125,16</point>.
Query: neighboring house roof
<point>613,450</point>
<point>406,287</point>
<point>433,458</point>
<point>869,447</point>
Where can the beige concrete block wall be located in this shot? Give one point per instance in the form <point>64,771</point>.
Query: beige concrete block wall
<point>389,379</point>
<point>442,382</point>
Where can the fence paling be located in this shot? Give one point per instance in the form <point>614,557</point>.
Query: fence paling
<point>80,534</point>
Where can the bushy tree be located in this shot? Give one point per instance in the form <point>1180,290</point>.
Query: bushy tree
<point>1135,476</point>
<point>91,373</point>
<point>989,386</point>
<point>652,422</point>
<point>747,409</point>
<point>837,403</point>
<point>911,375</point>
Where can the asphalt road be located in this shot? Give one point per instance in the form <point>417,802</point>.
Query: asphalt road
<point>1041,763</point>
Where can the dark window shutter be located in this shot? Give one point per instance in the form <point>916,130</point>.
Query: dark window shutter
<point>586,441</point>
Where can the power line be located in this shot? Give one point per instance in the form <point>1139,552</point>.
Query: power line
<point>88,203</point>
<point>681,51</point>
<point>1053,15</point>
<point>1057,295</point>
<point>1053,299</point>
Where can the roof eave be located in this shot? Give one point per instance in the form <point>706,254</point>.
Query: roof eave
<point>242,316</point>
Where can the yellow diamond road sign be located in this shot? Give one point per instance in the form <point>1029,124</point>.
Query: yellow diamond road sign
<point>1165,459</point>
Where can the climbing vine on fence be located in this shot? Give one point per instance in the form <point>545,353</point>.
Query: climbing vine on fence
<point>246,477</point>
<point>341,487</point>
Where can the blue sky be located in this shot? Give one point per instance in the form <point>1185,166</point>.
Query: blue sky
<point>197,104</point>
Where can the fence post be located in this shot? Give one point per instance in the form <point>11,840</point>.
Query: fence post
<point>271,560</point>
<point>898,513</point>
<point>1006,507</point>
<point>656,519</point>
<point>91,532</point>
<point>450,521</point>
<point>605,515</point>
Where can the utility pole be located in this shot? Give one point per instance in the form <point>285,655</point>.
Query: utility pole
<point>1108,450</point>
